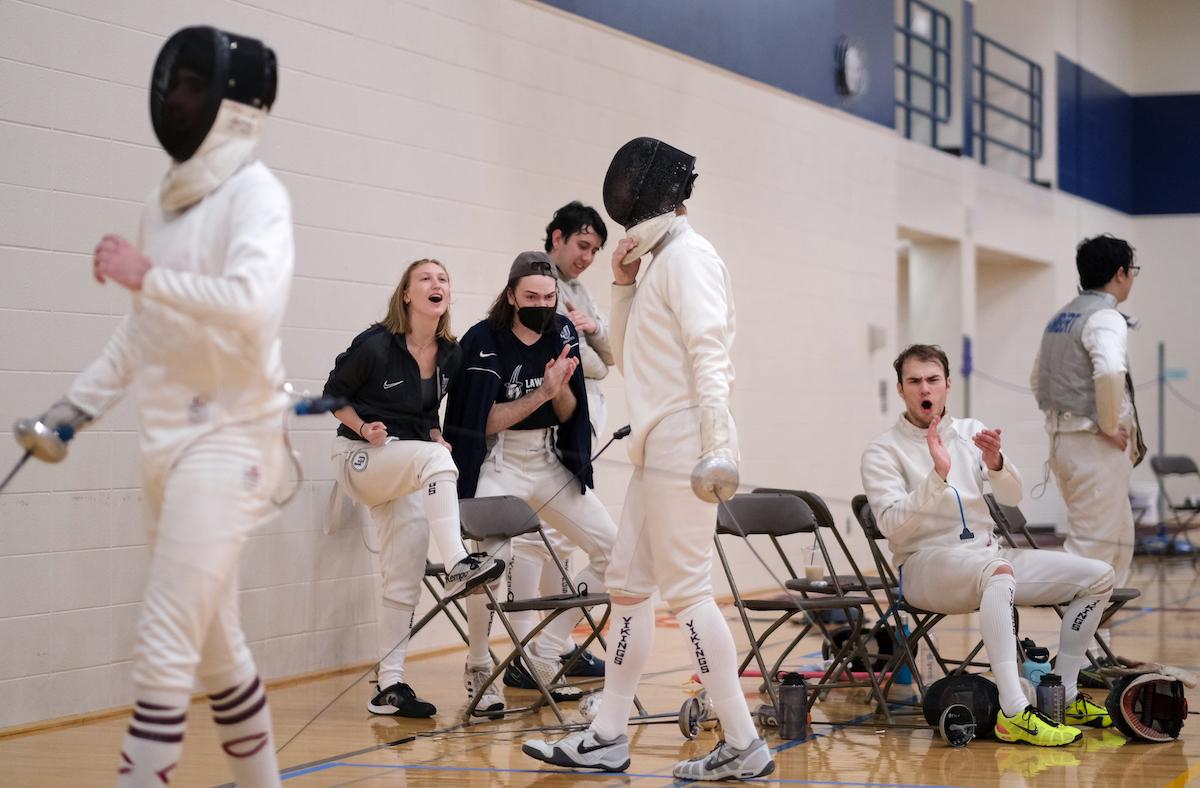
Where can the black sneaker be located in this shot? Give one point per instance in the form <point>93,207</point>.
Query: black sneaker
<point>587,666</point>
<point>472,572</point>
<point>399,700</point>
<point>517,677</point>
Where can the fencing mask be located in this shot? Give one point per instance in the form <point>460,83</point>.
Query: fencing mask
<point>197,69</point>
<point>647,178</point>
<point>1148,706</point>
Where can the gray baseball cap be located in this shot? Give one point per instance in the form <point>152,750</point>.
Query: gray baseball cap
<point>532,264</point>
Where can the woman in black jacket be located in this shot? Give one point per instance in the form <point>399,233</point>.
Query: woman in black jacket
<point>389,455</point>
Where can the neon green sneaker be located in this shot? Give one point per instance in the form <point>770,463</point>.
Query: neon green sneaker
<point>1082,711</point>
<point>1031,727</point>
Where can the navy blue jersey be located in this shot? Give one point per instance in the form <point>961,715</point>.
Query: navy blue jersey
<point>498,367</point>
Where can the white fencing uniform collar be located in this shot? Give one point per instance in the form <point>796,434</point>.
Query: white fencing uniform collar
<point>229,145</point>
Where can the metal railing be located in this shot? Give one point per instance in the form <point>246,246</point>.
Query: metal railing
<point>925,59</point>
<point>1008,91</point>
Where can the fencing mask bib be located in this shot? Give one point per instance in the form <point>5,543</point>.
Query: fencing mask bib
<point>209,97</point>
<point>1148,706</point>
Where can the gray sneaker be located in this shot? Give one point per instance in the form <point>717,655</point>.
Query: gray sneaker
<point>726,763</point>
<point>581,750</point>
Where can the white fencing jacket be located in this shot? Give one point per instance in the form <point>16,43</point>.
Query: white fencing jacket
<point>914,507</point>
<point>200,346</point>
<point>672,333</point>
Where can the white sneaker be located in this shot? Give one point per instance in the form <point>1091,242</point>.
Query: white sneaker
<point>726,763</point>
<point>490,699</point>
<point>581,750</point>
<point>547,669</point>
<point>471,572</point>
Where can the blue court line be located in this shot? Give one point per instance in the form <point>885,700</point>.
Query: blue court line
<point>602,775</point>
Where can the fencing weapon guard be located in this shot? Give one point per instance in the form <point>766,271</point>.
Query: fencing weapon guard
<point>957,725</point>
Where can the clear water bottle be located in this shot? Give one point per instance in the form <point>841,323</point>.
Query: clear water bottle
<point>793,707</point>
<point>927,659</point>
<point>1052,698</point>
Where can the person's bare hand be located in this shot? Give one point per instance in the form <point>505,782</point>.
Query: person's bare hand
<point>580,319</point>
<point>1120,440</point>
<point>937,450</point>
<point>625,272</point>
<point>375,433</point>
<point>558,372</point>
<point>988,442</point>
<point>435,435</point>
<point>117,259</point>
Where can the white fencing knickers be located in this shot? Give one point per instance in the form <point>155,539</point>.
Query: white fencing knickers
<point>532,572</point>
<point>1093,478</point>
<point>390,481</point>
<point>665,540</point>
<point>523,463</point>
<point>200,513</point>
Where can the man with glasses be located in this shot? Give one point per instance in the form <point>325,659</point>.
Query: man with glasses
<point>1082,383</point>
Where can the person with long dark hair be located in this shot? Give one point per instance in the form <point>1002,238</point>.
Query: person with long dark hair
<point>518,420</point>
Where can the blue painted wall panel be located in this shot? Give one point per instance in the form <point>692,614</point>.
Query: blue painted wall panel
<point>968,80</point>
<point>1137,154</point>
<point>1166,173</point>
<point>788,44</point>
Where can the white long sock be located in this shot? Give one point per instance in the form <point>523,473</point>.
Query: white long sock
<point>549,643</point>
<point>996,626</point>
<point>552,583</point>
<point>1078,626</point>
<point>630,639</point>
<point>154,740</point>
<point>441,510</point>
<point>711,644</point>
<point>524,578</point>
<point>479,630</point>
<point>243,721</point>
<point>395,627</point>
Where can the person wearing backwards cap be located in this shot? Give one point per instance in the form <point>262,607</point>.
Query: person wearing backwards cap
<point>517,418</point>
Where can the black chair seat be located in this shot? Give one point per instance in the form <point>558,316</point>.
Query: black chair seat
<point>1124,595</point>
<point>847,582</point>
<point>557,602</point>
<point>801,603</point>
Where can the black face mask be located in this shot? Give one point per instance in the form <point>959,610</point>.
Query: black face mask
<point>536,318</point>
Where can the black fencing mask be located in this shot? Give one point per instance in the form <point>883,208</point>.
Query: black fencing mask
<point>196,70</point>
<point>647,178</point>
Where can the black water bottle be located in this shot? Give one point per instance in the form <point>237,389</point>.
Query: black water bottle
<point>793,707</point>
<point>1051,697</point>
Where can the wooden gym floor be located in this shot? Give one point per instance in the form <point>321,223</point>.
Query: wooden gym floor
<point>345,745</point>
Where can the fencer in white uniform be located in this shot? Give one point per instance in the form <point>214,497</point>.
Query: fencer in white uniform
<point>672,330</point>
<point>389,455</point>
<point>517,419</point>
<point>1081,381</point>
<point>199,350</point>
<point>575,235</point>
<point>925,479</point>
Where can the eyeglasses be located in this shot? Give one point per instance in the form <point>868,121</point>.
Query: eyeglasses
<point>1133,271</point>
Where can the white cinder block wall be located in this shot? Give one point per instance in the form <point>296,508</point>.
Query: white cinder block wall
<point>453,128</point>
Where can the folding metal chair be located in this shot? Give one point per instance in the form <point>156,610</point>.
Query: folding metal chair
<point>907,638</point>
<point>1183,516</point>
<point>493,520</point>
<point>1011,521</point>
<point>856,583</point>
<point>776,515</point>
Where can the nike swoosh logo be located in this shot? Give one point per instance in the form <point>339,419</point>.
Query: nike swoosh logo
<point>1030,731</point>
<point>719,764</point>
<point>583,748</point>
<point>387,385</point>
<point>485,355</point>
